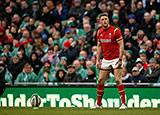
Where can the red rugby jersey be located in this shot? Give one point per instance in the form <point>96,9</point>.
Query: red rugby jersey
<point>109,39</point>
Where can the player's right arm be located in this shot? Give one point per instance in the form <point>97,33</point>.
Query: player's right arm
<point>99,52</point>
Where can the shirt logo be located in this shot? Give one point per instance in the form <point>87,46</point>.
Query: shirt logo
<point>105,40</point>
<point>101,35</point>
<point>110,35</point>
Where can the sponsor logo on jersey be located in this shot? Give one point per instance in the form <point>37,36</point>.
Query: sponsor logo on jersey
<point>105,40</point>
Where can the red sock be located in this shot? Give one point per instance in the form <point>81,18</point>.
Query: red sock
<point>100,92</point>
<point>122,93</point>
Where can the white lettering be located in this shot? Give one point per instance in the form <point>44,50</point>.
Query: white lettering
<point>116,102</point>
<point>3,101</point>
<point>10,100</point>
<point>43,100</point>
<point>64,102</point>
<point>145,103</point>
<point>104,103</point>
<point>87,102</point>
<point>21,101</point>
<point>110,102</point>
<point>155,102</point>
<point>53,98</point>
<point>134,100</point>
<point>75,100</point>
<point>29,103</point>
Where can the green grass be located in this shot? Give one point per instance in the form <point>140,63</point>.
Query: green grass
<point>77,111</point>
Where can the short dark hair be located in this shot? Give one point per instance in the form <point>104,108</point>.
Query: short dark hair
<point>103,14</point>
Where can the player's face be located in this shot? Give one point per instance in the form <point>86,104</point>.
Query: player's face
<point>104,20</point>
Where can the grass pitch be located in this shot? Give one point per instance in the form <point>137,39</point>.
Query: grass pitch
<point>76,111</point>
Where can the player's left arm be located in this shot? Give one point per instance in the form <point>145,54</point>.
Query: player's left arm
<point>119,39</point>
<point>121,48</point>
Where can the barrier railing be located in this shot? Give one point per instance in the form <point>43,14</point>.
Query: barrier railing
<point>82,84</point>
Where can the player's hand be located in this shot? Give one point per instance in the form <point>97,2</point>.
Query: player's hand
<point>98,65</point>
<point>119,63</point>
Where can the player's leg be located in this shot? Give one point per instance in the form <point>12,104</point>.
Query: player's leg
<point>117,75</point>
<point>100,87</point>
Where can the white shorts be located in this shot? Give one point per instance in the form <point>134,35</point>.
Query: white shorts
<point>109,64</point>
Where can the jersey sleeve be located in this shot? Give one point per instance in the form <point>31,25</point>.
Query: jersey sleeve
<point>98,38</point>
<point>118,34</point>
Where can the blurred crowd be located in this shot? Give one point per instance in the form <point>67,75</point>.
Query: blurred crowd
<point>55,40</point>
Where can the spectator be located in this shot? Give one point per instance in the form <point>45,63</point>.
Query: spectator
<point>24,52</point>
<point>72,75</point>
<point>56,36</point>
<point>60,11</point>
<point>130,62</point>
<point>148,25</point>
<point>139,64</point>
<point>151,4</point>
<point>125,75</point>
<point>76,10</point>
<point>46,17</point>
<point>15,67</point>
<point>89,63</point>
<point>31,26</point>
<point>153,72</point>
<point>6,73</point>
<point>16,20</point>
<point>36,10</point>
<point>25,21</point>
<point>141,9</point>
<point>89,34</point>
<point>58,66</point>
<point>79,69</point>
<point>128,36</point>
<point>60,75</point>
<point>68,34</point>
<point>140,35</point>
<point>3,36</point>
<point>133,10</point>
<point>47,76</point>
<point>144,62</point>
<point>50,5</point>
<point>89,11</point>
<point>43,32</point>
<point>156,34</point>
<point>93,52</point>
<point>130,46</point>
<point>35,63</point>
<point>9,13</point>
<point>27,75</point>
<point>157,56</point>
<point>91,77</point>
<point>4,58</point>
<point>63,61</point>
<point>115,21</point>
<point>58,27</point>
<point>137,77</point>
<point>149,51</point>
<point>38,43</point>
<point>84,53</point>
<point>24,8</point>
<point>52,71</point>
<point>132,24</point>
<point>50,56</point>
<point>68,52</point>
<point>2,78</point>
<point>39,52</point>
<point>82,61</point>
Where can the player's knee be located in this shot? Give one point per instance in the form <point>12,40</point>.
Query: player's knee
<point>100,81</point>
<point>118,82</point>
